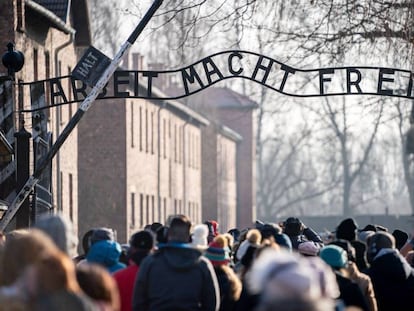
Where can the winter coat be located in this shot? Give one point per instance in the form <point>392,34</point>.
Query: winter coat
<point>125,279</point>
<point>365,284</point>
<point>106,253</point>
<point>230,287</point>
<point>350,293</point>
<point>178,278</point>
<point>393,281</point>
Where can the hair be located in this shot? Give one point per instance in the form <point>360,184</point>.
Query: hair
<point>54,272</point>
<point>22,248</point>
<point>235,284</point>
<point>179,229</point>
<point>98,284</point>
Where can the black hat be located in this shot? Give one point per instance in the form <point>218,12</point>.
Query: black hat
<point>401,238</point>
<point>293,226</point>
<point>347,229</point>
<point>100,234</point>
<point>143,240</point>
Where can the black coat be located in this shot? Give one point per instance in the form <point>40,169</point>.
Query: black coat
<point>393,281</point>
<point>350,293</point>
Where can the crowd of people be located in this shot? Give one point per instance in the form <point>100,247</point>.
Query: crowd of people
<point>180,266</point>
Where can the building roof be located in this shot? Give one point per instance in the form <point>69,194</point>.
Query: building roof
<point>58,7</point>
<point>222,97</point>
<point>57,13</point>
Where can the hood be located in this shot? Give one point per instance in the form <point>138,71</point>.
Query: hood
<point>179,256</point>
<point>391,265</point>
<point>105,252</point>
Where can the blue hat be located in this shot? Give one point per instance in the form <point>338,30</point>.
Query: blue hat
<point>334,256</point>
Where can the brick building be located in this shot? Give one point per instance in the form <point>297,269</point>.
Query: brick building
<point>52,35</point>
<point>236,112</point>
<point>139,162</point>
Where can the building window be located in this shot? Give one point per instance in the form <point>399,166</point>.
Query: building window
<point>70,97</point>
<point>165,209</point>
<point>133,209</point>
<point>20,15</point>
<point>140,128</point>
<point>152,209</point>
<point>35,65</point>
<point>180,143</point>
<point>175,142</point>
<point>152,132</point>
<point>147,219</point>
<point>175,207</point>
<point>132,126</point>
<point>60,194</point>
<point>159,209</point>
<point>164,138</point>
<point>141,210</point>
<point>71,197</point>
<point>146,130</point>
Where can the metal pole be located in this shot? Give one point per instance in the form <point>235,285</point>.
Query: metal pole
<point>22,158</point>
<point>85,105</point>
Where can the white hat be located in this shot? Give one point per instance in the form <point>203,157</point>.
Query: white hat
<point>199,236</point>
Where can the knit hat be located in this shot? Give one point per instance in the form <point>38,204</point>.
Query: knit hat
<point>142,240</point>
<point>334,256</point>
<point>347,247</point>
<point>199,236</point>
<point>309,248</point>
<point>60,229</point>
<point>347,229</point>
<point>218,251</point>
<point>279,275</point>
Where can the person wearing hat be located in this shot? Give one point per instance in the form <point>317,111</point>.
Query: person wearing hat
<point>350,293</point>
<point>230,285</point>
<point>176,276</point>
<point>141,244</point>
<point>347,230</point>
<point>364,281</point>
<point>391,274</point>
<point>299,233</point>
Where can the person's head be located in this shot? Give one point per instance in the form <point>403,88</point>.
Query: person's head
<point>54,272</point>
<point>179,229</point>
<point>289,281</point>
<point>60,229</point>
<point>347,230</point>
<point>199,236</point>
<point>309,248</point>
<point>334,256</point>
<point>101,234</point>
<point>401,237</point>
<point>218,251</point>
<point>22,248</point>
<point>347,247</point>
<point>98,284</point>
<point>380,240</point>
<point>293,226</point>
<point>141,244</point>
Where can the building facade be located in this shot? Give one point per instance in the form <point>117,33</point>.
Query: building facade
<point>52,35</point>
<point>139,162</point>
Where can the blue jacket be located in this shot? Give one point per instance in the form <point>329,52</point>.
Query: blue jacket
<point>106,253</point>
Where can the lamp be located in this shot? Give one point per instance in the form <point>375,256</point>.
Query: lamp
<point>4,206</point>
